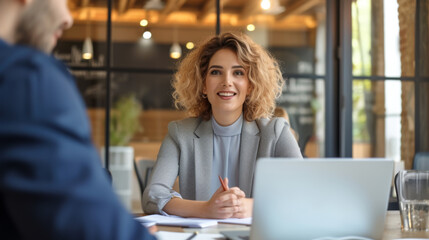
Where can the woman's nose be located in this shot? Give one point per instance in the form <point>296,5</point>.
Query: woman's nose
<point>227,80</point>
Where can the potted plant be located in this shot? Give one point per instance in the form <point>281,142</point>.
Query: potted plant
<point>124,120</point>
<point>124,123</point>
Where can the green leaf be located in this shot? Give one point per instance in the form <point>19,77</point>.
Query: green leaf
<point>124,120</point>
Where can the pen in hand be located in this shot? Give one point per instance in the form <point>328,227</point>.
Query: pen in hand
<point>192,236</point>
<point>224,186</point>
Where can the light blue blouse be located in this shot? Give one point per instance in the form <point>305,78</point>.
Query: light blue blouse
<point>226,150</point>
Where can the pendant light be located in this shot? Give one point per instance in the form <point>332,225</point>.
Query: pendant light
<point>175,49</point>
<point>87,49</point>
<point>272,7</point>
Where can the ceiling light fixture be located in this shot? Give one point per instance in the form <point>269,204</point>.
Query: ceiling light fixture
<point>175,51</point>
<point>147,35</point>
<point>87,49</point>
<point>250,27</point>
<point>154,5</point>
<point>272,7</point>
<point>265,4</point>
<point>190,45</point>
<point>144,22</point>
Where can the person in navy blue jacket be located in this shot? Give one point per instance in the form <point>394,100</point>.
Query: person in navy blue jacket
<point>52,185</point>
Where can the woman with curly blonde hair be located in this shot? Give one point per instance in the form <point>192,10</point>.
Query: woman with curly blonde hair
<point>228,85</point>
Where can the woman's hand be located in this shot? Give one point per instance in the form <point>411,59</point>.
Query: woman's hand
<point>225,204</point>
<point>245,208</point>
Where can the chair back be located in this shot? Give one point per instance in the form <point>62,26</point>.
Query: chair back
<point>143,169</point>
<point>421,161</point>
<point>109,175</point>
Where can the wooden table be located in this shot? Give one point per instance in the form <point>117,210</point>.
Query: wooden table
<point>392,228</point>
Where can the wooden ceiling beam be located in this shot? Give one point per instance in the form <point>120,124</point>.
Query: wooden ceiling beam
<point>170,7</point>
<point>251,8</point>
<point>131,3</point>
<point>210,7</point>
<point>85,3</point>
<point>297,8</point>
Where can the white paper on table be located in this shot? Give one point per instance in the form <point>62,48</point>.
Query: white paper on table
<point>240,221</point>
<point>148,224</point>
<point>177,221</point>
<point>164,235</point>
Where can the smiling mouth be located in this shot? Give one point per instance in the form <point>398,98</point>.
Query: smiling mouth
<point>226,94</point>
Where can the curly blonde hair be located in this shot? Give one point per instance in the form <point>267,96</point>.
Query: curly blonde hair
<point>263,72</point>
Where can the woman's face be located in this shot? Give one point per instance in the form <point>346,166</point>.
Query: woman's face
<point>226,84</point>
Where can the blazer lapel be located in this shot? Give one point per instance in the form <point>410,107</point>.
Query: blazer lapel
<point>203,145</point>
<point>248,153</point>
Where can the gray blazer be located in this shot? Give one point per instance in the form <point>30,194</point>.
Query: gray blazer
<point>187,152</point>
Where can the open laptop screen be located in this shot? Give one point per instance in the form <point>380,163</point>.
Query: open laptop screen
<point>314,198</point>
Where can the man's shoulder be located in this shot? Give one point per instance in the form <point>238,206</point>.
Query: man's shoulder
<point>21,59</point>
<point>36,83</point>
<point>25,66</point>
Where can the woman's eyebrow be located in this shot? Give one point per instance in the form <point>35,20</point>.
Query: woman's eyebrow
<point>238,66</point>
<point>218,66</point>
<point>215,66</point>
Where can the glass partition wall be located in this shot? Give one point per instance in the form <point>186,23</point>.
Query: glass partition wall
<point>83,48</point>
<point>389,66</point>
<point>355,71</point>
<point>123,50</point>
<point>149,38</point>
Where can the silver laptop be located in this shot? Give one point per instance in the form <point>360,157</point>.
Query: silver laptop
<point>320,198</point>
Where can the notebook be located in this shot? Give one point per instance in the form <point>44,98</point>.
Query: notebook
<point>176,221</point>
<point>319,199</point>
<point>171,220</point>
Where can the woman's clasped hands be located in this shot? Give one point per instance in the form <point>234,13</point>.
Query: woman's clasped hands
<point>230,203</point>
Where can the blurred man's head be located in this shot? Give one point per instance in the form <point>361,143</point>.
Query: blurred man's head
<point>41,23</point>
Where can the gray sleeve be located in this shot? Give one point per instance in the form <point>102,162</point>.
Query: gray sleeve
<point>286,145</point>
<point>159,190</point>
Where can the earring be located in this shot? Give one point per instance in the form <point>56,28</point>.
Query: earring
<point>204,95</point>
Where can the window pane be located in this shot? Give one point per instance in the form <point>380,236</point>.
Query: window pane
<point>92,86</point>
<point>304,101</point>
<point>296,38</point>
<point>156,34</point>
<point>383,120</point>
<point>383,38</point>
<point>153,93</point>
<point>424,116</point>
<point>84,44</point>
<point>89,22</point>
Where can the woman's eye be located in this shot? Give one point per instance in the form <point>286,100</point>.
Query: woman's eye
<point>214,72</point>
<point>239,73</point>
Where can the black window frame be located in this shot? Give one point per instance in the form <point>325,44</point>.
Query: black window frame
<point>338,77</point>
